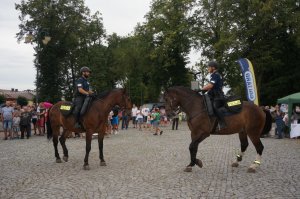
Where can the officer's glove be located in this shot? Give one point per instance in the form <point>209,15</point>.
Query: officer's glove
<point>93,95</point>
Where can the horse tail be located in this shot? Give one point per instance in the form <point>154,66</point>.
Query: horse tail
<point>268,123</point>
<point>49,127</point>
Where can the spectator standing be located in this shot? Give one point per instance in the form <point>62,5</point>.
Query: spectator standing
<point>149,118</point>
<point>115,121</point>
<point>48,106</point>
<point>41,119</point>
<point>175,122</point>
<point>16,125</point>
<point>133,114</point>
<point>124,120</point>
<point>279,122</point>
<point>7,114</point>
<point>145,111</point>
<point>109,121</point>
<point>25,123</point>
<point>156,120</point>
<point>140,119</point>
<point>34,118</point>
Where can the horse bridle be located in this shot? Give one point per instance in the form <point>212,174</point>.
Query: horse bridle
<point>171,105</point>
<point>188,101</point>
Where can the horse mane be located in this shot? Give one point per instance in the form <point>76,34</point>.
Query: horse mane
<point>106,93</point>
<point>103,94</point>
<point>186,89</point>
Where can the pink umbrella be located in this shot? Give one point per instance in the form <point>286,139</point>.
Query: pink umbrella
<point>47,105</point>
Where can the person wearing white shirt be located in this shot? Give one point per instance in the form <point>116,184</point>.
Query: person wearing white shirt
<point>145,112</point>
<point>133,115</point>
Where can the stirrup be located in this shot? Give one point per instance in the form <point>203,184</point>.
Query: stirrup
<point>222,125</point>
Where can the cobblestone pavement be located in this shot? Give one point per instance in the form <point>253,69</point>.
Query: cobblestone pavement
<point>140,165</point>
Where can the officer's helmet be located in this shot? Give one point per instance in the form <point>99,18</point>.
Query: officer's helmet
<point>213,64</point>
<point>85,69</point>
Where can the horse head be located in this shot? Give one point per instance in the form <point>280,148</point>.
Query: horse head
<point>126,102</point>
<point>171,102</point>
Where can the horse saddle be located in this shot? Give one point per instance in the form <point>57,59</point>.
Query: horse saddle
<point>232,105</point>
<point>67,107</point>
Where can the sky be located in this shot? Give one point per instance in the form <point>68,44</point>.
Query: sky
<point>16,59</point>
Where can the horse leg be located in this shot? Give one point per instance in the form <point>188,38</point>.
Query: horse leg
<point>87,150</point>
<point>193,152</point>
<point>259,149</point>
<point>55,143</point>
<point>62,141</point>
<point>100,144</point>
<point>244,144</point>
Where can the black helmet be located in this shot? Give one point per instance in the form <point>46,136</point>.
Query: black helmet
<point>85,69</point>
<point>213,64</point>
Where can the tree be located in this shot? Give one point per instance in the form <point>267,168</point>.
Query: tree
<point>22,101</point>
<point>265,32</point>
<point>73,31</point>
<point>167,30</point>
<point>2,99</point>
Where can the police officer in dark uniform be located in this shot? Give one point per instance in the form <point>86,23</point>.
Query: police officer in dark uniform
<point>214,88</point>
<point>82,91</point>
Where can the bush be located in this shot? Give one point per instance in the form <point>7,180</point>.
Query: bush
<point>2,99</point>
<point>22,101</point>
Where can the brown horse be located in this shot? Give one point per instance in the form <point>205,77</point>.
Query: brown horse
<point>249,122</point>
<point>94,121</point>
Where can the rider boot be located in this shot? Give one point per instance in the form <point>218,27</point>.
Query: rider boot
<point>77,119</point>
<point>78,103</point>
<point>221,120</point>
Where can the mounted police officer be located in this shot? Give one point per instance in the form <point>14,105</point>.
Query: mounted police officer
<point>214,88</point>
<point>82,91</point>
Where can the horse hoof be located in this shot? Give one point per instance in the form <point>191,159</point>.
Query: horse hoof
<point>102,163</point>
<point>65,158</point>
<point>235,164</point>
<point>58,161</point>
<point>199,163</point>
<point>86,167</point>
<point>239,158</point>
<point>251,170</point>
<point>188,169</point>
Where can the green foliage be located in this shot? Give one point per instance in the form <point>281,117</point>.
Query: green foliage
<point>155,55</point>
<point>265,32</point>
<point>2,99</point>
<point>22,101</point>
<point>167,26</point>
<point>73,33</point>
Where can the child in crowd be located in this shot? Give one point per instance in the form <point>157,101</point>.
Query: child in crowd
<point>139,119</point>
<point>16,126</point>
<point>156,120</point>
<point>25,123</point>
<point>149,118</point>
<point>115,121</point>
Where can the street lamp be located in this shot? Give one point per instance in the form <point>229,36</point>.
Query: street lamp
<point>195,84</point>
<point>42,35</point>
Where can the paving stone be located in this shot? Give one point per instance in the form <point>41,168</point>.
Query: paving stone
<point>140,165</point>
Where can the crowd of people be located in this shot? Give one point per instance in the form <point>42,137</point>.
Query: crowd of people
<point>23,122</point>
<point>142,119</point>
<point>18,122</point>
<point>279,116</point>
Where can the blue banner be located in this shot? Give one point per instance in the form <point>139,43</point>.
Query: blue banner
<point>249,78</point>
